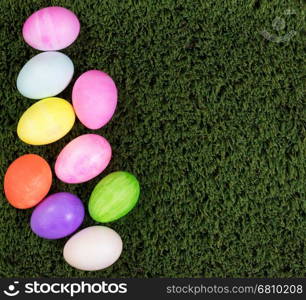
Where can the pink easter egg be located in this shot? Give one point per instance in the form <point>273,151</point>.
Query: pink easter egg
<point>51,28</point>
<point>94,98</point>
<point>83,158</point>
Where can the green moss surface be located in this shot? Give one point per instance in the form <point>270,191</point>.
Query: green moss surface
<point>210,119</point>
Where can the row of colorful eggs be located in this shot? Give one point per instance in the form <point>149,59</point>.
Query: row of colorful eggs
<point>27,182</point>
<point>29,178</point>
<point>47,74</point>
<point>94,96</point>
<point>82,159</point>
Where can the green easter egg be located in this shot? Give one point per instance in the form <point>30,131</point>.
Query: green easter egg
<point>113,197</point>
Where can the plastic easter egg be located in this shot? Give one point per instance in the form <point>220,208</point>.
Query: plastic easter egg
<point>113,197</point>
<point>94,98</point>
<point>93,248</point>
<point>57,216</point>
<point>45,75</point>
<point>51,28</point>
<point>83,158</point>
<point>46,121</point>
<point>27,181</point>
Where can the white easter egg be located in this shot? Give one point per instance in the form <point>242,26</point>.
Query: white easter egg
<point>45,75</point>
<point>93,248</point>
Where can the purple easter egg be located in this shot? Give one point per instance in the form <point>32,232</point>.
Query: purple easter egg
<point>57,216</point>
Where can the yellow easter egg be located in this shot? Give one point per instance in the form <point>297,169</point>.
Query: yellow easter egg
<point>46,121</point>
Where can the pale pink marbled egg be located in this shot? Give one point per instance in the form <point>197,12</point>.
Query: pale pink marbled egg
<point>51,28</point>
<point>83,158</point>
<point>94,98</point>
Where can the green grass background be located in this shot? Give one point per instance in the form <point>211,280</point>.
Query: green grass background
<point>211,119</point>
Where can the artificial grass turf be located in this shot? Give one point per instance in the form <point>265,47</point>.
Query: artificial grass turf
<point>211,119</point>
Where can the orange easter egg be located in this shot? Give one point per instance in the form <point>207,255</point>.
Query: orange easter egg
<point>27,181</point>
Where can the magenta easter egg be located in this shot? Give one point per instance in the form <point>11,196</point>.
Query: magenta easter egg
<point>83,158</point>
<point>94,98</point>
<point>51,28</point>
